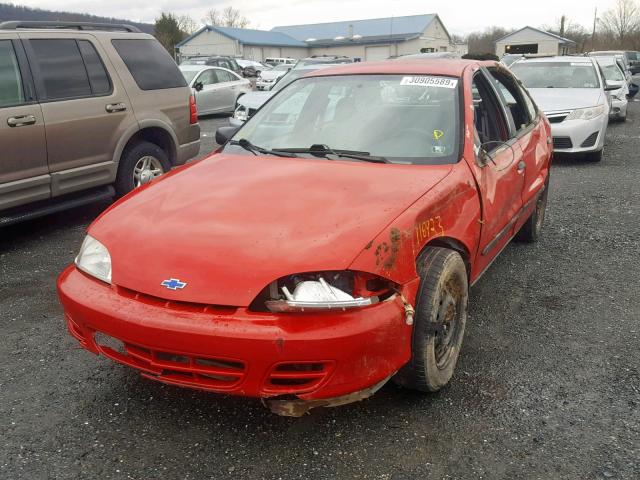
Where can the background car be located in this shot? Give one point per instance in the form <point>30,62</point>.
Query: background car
<point>229,63</point>
<point>251,68</point>
<point>571,92</point>
<point>82,118</point>
<point>216,89</point>
<point>273,61</point>
<point>614,76</point>
<point>630,59</point>
<point>320,59</point>
<point>268,79</point>
<point>250,103</point>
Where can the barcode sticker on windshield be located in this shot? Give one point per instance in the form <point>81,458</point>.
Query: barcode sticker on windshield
<point>443,82</point>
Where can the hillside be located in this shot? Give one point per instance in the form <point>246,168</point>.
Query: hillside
<point>15,12</point>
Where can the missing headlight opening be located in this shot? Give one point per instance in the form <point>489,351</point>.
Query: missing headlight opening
<point>323,291</point>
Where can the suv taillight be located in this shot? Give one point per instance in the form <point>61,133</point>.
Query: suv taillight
<point>193,110</point>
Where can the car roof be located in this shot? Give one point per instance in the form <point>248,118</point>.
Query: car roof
<point>200,68</point>
<point>557,59</point>
<point>447,67</point>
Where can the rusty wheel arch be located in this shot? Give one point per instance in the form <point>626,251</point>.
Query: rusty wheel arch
<point>452,244</point>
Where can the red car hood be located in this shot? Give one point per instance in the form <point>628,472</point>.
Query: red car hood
<point>231,224</point>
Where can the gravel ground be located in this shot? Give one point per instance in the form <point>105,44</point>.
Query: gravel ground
<point>548,384</point>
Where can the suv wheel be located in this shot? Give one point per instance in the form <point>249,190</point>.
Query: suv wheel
<point>140,163</point>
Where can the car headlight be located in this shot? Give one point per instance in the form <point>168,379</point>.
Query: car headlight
<point>94,259</point>
<point>586,113</point>
<point>241,113</point>
<point>331,290</point>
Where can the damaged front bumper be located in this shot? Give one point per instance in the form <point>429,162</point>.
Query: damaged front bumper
<point>299,361</point>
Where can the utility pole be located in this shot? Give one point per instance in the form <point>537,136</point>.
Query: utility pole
<point>593,33</point>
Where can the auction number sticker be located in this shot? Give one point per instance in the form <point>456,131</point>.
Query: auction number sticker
<point>424,81</point>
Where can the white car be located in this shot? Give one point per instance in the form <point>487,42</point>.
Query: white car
<point>573,94</point>
<point>614,75</point>
<point>250,103</point>
<point>268,79</point>
<point>216,89</point>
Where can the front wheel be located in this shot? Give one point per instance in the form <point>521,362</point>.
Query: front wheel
<point>441,316</point>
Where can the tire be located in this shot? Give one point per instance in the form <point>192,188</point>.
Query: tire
<point>532,229</point>
<point>133,158</point>
<point>594,156</point>
<point>440,319</point>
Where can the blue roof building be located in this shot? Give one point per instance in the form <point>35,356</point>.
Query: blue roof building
<point>371,39</point>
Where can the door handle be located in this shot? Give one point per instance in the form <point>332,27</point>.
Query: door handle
<point>521,166</point>
<point>21,120</point>
<point>115,107</point>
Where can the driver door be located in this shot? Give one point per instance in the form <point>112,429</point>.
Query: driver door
<point>496,169</point>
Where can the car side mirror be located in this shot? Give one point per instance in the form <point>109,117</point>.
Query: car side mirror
<point>609,87</point>
<point>223,134</point>
<point>198,86</point>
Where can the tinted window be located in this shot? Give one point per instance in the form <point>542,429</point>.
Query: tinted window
<point>98,77</point>
<point>61,68</point>
<point>149,63</point>
<point>11,92</point>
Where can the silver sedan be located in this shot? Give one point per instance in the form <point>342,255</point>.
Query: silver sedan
<point>216,89</point>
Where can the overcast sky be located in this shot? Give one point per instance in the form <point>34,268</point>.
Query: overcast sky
<point>461,16</point>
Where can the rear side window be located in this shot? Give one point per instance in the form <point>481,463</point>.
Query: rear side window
<point>11,92</point>
<point>149,63</point>
<point>98,77</point>
<point>62,70</point>
<point>226,76</point>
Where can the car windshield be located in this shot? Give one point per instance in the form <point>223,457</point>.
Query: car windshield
<point>556,74</point>
<point>405,119</point>
<point>189,74</point>
<point>290,77</point>
<point>280,68</point>
<point>612,73</point>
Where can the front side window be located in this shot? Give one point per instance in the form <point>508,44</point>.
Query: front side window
<point>511,98</point>
<point>226,76</point>
<point>491,129</point>
<point>149,63</point>
<point>62,69</point>
<point>557,74</point>
<point>208,77</point>
<point>11,91</point>
<point>404,118</point>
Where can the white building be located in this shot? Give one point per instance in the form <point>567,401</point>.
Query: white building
<point>529,40</point>
<point>373,39</point>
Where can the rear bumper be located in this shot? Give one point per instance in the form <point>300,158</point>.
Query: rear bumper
<point>234,350</point>
<point>187,151</point>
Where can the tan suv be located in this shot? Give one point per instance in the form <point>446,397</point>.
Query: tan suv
<point>86,111</point>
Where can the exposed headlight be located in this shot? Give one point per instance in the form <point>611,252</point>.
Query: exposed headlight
<point>94,259</point>
<point>323,291</point>
<point>586,113</point>
<point>241,113</point>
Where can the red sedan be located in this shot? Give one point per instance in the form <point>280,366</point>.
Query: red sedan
<point>328,245</point>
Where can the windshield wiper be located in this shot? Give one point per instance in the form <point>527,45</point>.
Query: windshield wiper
<point>324,150</point>
<point>247,145</point>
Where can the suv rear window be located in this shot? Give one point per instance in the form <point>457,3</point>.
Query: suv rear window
<point>149,63</point>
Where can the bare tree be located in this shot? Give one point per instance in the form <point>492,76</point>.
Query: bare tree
<point>212,17</point>
<point>187,24</point>
<point>229,17</point>
<point>622,20</point>
<point>571,30</point>
<point>232,17</point>
<point>483,42</point>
